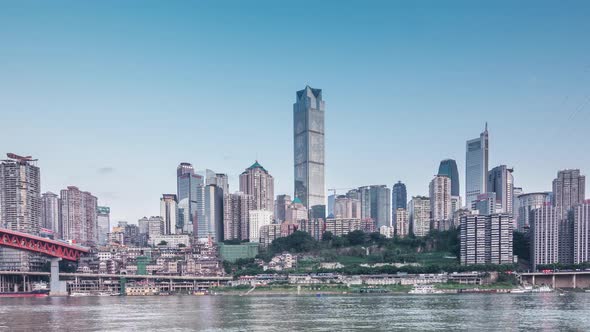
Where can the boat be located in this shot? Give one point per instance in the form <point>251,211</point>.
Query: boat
<point>35,293</point>
<point>425,289</point>
<point>543,289</point>
<point>200,292</point>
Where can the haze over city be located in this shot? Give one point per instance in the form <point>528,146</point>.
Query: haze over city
<point>113,99</point>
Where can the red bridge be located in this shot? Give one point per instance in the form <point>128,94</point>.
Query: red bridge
<point>41,245</point>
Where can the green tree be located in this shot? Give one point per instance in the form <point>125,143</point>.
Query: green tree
<point>356,238</point>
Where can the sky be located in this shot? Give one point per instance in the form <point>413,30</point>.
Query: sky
<point>111,95</point>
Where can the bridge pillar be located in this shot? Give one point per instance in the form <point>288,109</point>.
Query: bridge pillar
<point>553,281</point>
<point>56,287</point>
<point>533,280</point>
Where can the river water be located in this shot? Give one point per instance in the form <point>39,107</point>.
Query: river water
<point>474,312</point>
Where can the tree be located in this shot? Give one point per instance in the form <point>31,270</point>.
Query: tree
<point>356,238</point>
<point>327,236</point>
<point>163,243</point>
<point>181,245</point>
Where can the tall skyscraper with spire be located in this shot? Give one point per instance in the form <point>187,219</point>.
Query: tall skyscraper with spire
<point>309,151</point>
<point>476,167</point>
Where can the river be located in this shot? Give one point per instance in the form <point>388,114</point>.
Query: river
<point>477,312</point>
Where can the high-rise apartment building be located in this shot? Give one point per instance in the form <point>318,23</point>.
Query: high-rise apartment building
<point>448,167</point>
<point>281,205</point>
<point>440,201</point>
<point>375,204</point>
<point>501,181</point>
<point>103,222</point>
<point>569,189</point>
<point>342,226</point>
<point>526,204</point>
<point>347,208</point>
<point>78,216</point>
<point>476,167</point>
<point>20,208</point>
<point>236,215</point>
<point>169,213</point>
<point>486,204</point>
<point>257,219</point>
<point>402,223</point>
<point>308,134</point>
<point>399,198</point>
<point>545,237</point>
<point>486,239</point>
<point>191,203</point>
<point>296,212</point>
<point>581,238</point>
<point>50,212</point>
<point>419,215</point>
<point>257,182</point>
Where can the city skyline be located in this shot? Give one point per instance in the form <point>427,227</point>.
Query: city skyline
<point>157,107</point>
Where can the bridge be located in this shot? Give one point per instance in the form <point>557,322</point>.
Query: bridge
<point>56,250</point>
<point>558,279</point>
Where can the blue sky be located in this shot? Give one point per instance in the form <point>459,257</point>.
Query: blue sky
<point>111,96</point>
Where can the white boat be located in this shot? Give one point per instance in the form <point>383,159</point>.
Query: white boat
<point>543,289</point>
<point>76,294</point>
<point>425,289</point>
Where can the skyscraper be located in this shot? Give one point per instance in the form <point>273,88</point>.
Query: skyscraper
<point>581,243</point>
<point>569,189</point>
<point>419,215</point>
<point>440,202</point>
<point>50,212</point>
<point>448,167</point>
<point>257,182</point>
<point>214,212</point>
<point>501,181</point>
<point>191,206</point>
<point>476,167</point>
<point>169,213</point>
<point>257,219</point>
<point>308,132</point>
<point>20,208</point>
<point>526,204</point>
<point>375,204</point>
<point>545,235</point>
<point>236,210</point>
<point>281,205</point>
<point>399,199</point>
<point>486,239</point>
<point>103,216</point>
<point>347,208</point>
<point>78,216</point>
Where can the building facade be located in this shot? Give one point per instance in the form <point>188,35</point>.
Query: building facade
<point>257,182</point>
<point>581,238</point>
<point>476,167</point>
<point>236,214</point>
<point>569,189</point>
<point>526,204</point>
<point>399,199</point>
<point>347,208</point>
<point>486,239</point>
<point>419,215</point>
<point>545,237</point>
<point>281,205</point>
<point>309,154</point>
<point>169,213</point>
<point>50,212</point>
<point>402,223</point>
<point>103,221</point>
<point>257,219</point>
<point>20,208</point>
<point>78,216</point>
<point>501,182</point>
<point>440,201</point>
<point>213,213</point>
<point>190,190</point>
<point>448,167</point>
